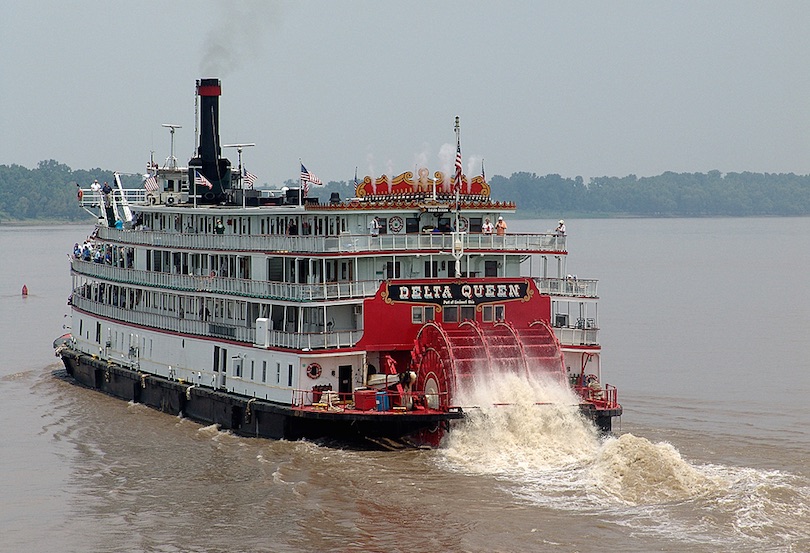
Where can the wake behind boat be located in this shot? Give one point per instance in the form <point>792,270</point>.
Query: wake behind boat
<point>360,319</point>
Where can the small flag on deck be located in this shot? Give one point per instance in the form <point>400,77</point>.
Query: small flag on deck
<point>308,178</point>
<point>150,184</point>
<point>457,184</point>
<point>249,179</point>
<point>200,180</point>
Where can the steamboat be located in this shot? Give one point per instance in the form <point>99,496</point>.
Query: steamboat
<point>358,319</point>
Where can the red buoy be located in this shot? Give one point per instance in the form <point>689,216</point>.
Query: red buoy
<point>25,290</point>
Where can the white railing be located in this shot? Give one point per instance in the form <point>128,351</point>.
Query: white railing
<point>230,286</point>
<point>313,340</point>
<point>528,243</point>
<point>92,200</point>
<point>576,287</point>
<point>577,336</point>
<point>164,322</point>
<point>275,338</point>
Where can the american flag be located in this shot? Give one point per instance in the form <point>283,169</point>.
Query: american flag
<point>150,184</point>
<point>457,185</point>
<point>200,180</point>
<point>248,178</point>
<point>308,178</point>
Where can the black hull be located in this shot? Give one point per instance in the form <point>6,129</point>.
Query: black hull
<point>248,416</point>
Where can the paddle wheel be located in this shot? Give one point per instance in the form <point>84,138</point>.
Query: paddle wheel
<point>446,360</point>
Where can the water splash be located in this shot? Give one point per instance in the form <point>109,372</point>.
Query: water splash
<point>519,423</point>
<point>549,455</point>
<point>636,471</point>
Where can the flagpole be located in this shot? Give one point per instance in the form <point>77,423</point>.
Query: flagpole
<point>458,245</point>
<point>300,183</point>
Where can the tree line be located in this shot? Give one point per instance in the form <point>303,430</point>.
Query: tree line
<point>48,193</point>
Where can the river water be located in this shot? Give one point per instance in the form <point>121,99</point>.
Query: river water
<point>704,329</point>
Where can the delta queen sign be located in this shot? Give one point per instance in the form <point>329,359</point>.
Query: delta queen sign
<point>457,293</point>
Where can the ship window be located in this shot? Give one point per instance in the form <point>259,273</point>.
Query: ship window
<point>450,314</point>
<point>278,373</point>
<point>393,269</point>
<point>290,375</point>
<point>444,224</point>
<point>264,371</point>
<point>486,314</point>
<point>237,367</point>
<point>417,314</point>
<point>499,312</point>
<point>383,225</point>
<point>475,224</point>
<point>430,313</point>
<point>431,268</point>
<point>467,312</point>
<point>491,268</point>
<point>252,367</point>
<point>411,225</point>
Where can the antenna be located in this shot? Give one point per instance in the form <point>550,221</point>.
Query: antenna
<point>239,148</point>
<point>171,161</point>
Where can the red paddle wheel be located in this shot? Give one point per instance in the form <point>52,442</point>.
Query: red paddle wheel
<point>446,359</point>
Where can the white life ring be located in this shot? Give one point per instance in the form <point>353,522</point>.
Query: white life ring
<point>170,200</point>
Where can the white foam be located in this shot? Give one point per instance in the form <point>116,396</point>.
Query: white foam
<point>551,456</point>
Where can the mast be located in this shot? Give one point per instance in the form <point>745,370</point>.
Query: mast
<point>171,161</point>
<point>239,148</point>
<point>458,243</point>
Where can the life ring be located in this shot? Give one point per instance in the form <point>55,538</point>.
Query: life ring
<point>170,200</point>
<point>395,224</point>
<point>314,370</point>
<point>80,194</point>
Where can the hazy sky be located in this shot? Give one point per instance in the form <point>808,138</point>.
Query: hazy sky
<point>575,88</point>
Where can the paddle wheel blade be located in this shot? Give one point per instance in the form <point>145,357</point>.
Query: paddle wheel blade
<point>446,360</point>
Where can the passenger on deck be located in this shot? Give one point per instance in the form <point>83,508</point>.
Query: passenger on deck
<point>374,226</point>
<point>219,228</point>
<point>96,188</point>
<point>500,227</point>
<point>560,230</point>
<point>487,227</point>
<point>107,191</point>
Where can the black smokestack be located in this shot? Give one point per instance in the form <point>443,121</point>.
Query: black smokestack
<point>209,91</point>
<point>208,161</point>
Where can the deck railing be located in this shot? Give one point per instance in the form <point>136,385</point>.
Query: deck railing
<point>275,338</point>
<point>606,397</point>
<point>230,286</point>
<point>427,242</point>
<point>576,287</point>
<point>577,336</point>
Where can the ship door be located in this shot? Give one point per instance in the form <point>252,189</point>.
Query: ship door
<point>344,380</point>
<point>220,366</point>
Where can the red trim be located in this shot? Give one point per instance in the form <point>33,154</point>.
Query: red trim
<point>209,90</point>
